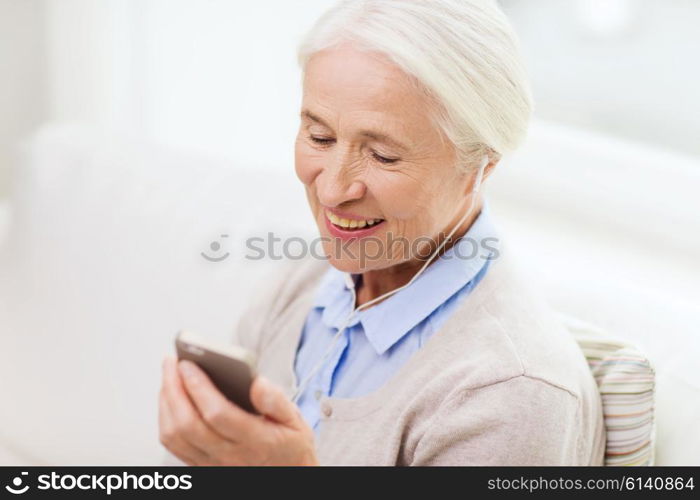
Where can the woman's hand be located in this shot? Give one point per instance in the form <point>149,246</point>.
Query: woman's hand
<point>201,427</point>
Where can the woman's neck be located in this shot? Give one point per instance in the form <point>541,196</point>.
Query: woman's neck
<point>375,283</point>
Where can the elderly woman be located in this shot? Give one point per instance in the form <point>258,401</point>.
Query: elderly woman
<point>416,341</point>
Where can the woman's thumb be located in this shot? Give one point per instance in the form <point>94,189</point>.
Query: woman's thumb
<point>269,400</point>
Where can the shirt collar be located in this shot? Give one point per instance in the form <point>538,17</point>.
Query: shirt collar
<point>387,322</point>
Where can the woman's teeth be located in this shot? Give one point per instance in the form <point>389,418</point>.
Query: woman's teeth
<point>351,223</point>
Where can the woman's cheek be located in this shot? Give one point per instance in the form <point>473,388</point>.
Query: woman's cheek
<point>400,201</point>
<point>414,216</point>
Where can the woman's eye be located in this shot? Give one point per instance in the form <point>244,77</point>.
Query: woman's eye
<point>321,140</point>
<point>383,159</point>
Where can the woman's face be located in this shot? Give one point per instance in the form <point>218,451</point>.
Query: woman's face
<point>380,178</point>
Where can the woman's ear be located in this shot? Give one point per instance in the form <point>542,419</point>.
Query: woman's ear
<point>493,161</point>
<point>476,183</point>
<point>483,170</point>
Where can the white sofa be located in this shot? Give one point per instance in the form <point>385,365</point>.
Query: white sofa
<point>100,265</point>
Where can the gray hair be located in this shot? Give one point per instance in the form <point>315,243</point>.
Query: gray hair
<point>463,54</point>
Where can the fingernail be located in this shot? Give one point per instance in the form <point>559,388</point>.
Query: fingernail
<point>187,370</point>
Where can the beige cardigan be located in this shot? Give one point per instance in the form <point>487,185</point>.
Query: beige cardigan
<point>501,383</point>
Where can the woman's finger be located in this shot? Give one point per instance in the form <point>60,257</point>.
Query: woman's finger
<point>172,440</point>
<point>185,418</point>
<point>269,400</point>
<point>219,413</point>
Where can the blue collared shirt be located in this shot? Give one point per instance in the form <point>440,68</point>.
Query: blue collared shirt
<point>381,338</point>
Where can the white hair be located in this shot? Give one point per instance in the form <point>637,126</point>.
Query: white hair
<point>463,54</point>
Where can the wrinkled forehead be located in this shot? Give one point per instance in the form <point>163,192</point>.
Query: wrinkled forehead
<point>350,85</point>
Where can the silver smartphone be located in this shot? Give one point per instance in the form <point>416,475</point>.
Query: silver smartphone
<point>231,368</point>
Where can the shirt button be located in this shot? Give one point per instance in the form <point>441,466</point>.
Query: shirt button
<point>318,395</point>
<point>326,409</point>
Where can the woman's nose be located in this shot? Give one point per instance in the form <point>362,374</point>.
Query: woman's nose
<point>335,185</point>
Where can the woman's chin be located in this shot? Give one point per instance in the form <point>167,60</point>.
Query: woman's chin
<point>346,265</point>
<point>348,256</point>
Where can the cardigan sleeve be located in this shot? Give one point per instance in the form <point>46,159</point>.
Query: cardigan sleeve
<point>520,421</point>
<point>261,306</point>
<point>275,291</point>
<point>247,332</point>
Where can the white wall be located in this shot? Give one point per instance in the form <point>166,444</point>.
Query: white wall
<point>22,76</point>
<point>628,68</point>
<point>233,87</point>
<point>88,45</point>
<point>216,76</point>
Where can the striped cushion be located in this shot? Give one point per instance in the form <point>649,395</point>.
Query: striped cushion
<point>626,383</point>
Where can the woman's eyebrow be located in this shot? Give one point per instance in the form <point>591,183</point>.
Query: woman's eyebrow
<point>377,136</point>
<point>305,113</point>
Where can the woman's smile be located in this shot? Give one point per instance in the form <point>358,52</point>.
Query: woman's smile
<point>347,226</point>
